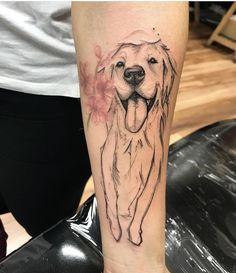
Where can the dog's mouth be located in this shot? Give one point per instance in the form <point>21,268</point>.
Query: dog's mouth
<point>137,108</point>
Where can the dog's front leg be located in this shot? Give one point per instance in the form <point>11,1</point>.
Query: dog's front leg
<point>143,203</point>
<point>109,184</point>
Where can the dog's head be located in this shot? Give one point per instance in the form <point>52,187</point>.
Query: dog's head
<point>143,74</point>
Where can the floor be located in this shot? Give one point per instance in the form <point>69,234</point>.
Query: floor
<point>207,94</point>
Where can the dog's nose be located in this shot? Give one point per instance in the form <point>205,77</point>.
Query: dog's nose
<point>134,75</point>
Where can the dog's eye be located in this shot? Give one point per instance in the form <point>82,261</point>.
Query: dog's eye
<point>120,64</point>
<point>152,61</point>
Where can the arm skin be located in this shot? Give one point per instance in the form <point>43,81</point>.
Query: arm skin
<point>130,57</point>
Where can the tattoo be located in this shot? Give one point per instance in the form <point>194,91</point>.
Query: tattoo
<point>130,92</point>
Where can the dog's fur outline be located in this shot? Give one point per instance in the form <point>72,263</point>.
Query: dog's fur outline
<point>154,140</point>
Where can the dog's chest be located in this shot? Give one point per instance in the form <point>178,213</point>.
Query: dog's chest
<point>133,159</point>
<point>132,164</point>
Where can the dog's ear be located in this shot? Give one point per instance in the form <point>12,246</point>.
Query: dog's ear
<point>105,64</point>
<point>169,74</point>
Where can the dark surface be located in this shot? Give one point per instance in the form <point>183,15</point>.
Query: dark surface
<point>3,239</point>
<point>201,216</point>
<point>201,201</point>
<point>44,162</point>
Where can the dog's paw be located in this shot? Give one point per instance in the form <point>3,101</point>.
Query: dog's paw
<point>114,225</point>
<point>135,236</point>
<point>116,232</point>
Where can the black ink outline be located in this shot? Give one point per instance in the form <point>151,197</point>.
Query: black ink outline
<point>160,105</point>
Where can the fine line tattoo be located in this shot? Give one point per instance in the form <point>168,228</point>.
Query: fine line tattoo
<point>130,92</point>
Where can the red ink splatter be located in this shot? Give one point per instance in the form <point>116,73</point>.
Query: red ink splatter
<point>99,103</point>
<point>105,61</point>
<point>99,89</point>
<point>86,79</point>
<point>104,88</point>
<point>98,51</point>
<point>97,110</point>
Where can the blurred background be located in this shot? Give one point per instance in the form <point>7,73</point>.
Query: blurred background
<point>207,90</point>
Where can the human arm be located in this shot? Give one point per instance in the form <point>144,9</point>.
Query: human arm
<point>130,57</point>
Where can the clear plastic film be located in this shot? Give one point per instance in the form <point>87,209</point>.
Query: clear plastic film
<point>201,201</point>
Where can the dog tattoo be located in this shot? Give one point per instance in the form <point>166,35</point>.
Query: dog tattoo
<point>130,92</point>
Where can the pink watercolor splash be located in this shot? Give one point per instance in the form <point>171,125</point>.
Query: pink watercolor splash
<point>98,89</point>
<point>99,103</point>
<point>86,79</point>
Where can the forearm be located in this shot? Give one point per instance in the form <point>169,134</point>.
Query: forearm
<point>129,80</point>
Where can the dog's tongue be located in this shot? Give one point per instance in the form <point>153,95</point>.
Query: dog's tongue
<point>136,114</point>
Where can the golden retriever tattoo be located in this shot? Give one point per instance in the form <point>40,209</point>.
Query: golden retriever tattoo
<point>130,93</point>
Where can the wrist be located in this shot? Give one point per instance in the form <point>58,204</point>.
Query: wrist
<point>158,269</point>
<point>135,260</point>
<point>135,268</point>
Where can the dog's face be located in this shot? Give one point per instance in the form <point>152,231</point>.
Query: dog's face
<point>138,73</point>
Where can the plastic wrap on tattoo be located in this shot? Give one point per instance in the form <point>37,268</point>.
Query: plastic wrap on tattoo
<point>130,92</point>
